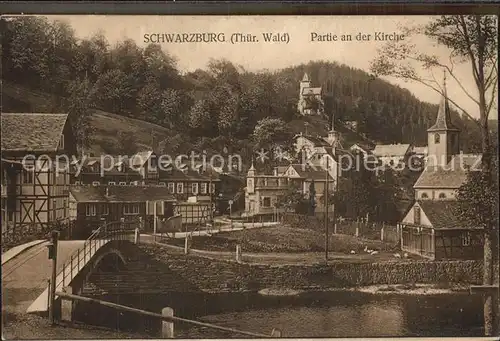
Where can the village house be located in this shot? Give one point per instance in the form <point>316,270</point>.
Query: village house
<point>36,188</point>
<point>393,155</point>
<point>138,169</point>
<point>264,192</point>
<point>187,181</point>
<point>432,227</point>
<point>310,98</point>
<point>90,205</point>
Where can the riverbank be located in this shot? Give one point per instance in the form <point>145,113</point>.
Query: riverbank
<point>401,289</point>
<point>223,275</point>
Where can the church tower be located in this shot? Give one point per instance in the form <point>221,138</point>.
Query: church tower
<point>333,136</point>
<point>305,83</point>
<point>443,136</point>
<point>251,179</point>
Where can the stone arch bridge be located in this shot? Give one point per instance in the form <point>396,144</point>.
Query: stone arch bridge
<point>25,285</point>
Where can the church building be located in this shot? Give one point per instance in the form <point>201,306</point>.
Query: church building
<point>432,227</point>
<point>310,98</point>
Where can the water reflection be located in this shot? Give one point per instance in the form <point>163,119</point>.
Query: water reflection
<point>313,314</point>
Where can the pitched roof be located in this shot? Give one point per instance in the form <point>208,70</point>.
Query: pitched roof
<point>391,149</point>
<point>120,193</point>
<point>420,150</point>
<point>172,172</point>
<point>140,158</point>
<point>443,118</point>
<point>365,146</point>
<point>451,176</point>
<point>306,77</point>
<point>316,140</point>
<point>32,132</point>
<point>444,214</point>
<point>311,91</point>
<point>310,173</point>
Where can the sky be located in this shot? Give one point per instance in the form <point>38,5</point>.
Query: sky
<point>268,55</point>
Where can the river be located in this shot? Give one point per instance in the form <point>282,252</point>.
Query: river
<point>311,314</point>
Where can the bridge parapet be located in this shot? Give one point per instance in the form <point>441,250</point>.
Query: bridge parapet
<point>114,231</point>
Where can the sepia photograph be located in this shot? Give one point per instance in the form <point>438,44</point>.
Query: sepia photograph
<point>258,176</point>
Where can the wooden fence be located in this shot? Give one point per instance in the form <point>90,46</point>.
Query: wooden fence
<point>374,231</point>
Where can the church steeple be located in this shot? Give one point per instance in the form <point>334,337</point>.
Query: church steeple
<point>443,136</point>
<point>306,77</point>
<point>443,119</point>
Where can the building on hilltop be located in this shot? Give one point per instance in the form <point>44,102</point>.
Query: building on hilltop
<point>310,98</point>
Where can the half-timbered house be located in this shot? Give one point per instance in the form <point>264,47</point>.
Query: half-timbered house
<point>41,145</point>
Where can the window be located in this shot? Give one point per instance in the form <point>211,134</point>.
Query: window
<point>266,202</point>
<point>111,183</point>
<point>162,184</point>
<point>123,183</point>
<point>105,210</point>
<point>416,213</point>
<point>424,196</point>
<point>203,188</point>
<point>212,189</point>
<point>437,138</point>
<point>131,209</point>
<point>61,142</point>
<point>171,188</point>
<point>180,187</point>
<point>27,177</point>
<point>133,183</point>
<point>90,210</point>
<point>78,183</point>
<point>442,196</point>
<point>194,188</point>
<point>95,183</point>
<point>466,238</point>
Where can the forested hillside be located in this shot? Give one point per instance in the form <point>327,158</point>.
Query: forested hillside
<point>213,108</point>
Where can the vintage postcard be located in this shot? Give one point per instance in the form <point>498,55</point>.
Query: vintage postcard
<point>225,176</point>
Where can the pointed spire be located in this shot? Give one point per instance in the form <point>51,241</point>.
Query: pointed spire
<point>443,119</point>
<point>252,168</point>
<point>306,77</point>
<point>332,127</point>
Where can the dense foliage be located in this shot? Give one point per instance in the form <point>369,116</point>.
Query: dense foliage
<point>212,108</point>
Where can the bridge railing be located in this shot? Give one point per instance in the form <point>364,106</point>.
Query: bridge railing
<point>118,230</point>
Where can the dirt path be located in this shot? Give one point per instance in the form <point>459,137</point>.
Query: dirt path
<point>25,276</point>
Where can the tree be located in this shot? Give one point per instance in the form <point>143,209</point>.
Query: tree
<point>113,90</point>
<point>293,200</point>
<point>127,143</point>
<point>271,133</point>
<point>80,106</point>
<point>471,39</point>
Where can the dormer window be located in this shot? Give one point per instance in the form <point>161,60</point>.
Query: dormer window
<point>437,138</point>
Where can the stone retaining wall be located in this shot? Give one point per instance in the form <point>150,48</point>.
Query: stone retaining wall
<point>223,275</point>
